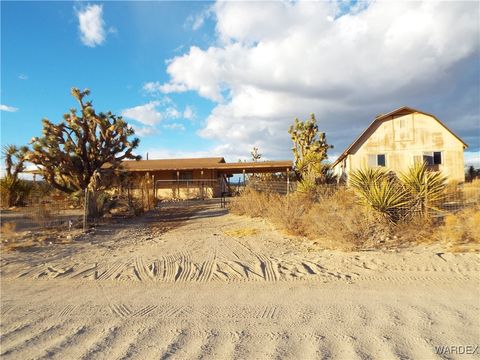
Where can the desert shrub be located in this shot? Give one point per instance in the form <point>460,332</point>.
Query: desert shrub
<point>288,212</point>
<point>462,227</point>
<point>333,217</point>
<point>413,194</point>
<point>339,221</point>
<point>14,192</point>
<point>425,188</point>
<point>7,229</point>
<point>251,202</point>
<point>381,192</point>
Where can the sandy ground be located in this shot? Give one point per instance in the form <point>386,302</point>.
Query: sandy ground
<point>205,284</point>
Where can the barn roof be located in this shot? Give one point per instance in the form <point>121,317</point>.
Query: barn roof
<point>403,109</point>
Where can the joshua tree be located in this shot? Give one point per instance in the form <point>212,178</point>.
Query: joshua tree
<point>71,152</point>
<point>310,150</point>
<point>255,154</point>
<point>14,165</point>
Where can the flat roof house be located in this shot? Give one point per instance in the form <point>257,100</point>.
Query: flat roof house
<point>401,138</point>
<point>196,177</point>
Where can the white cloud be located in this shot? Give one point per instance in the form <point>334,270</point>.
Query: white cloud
<point>172,113</point>
<point>163,153</point>
<point>91,25</point>
<point>344,68</point>
<point>143,131</point>
<point>174,126</point>
<point>146,114</point>
<point>8,108</point>
<point>472,158</point>
<point>188,113</point>
<point>196,21</point>
<point>23,77</point>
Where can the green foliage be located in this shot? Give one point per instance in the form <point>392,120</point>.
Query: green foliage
<point>381,192</point>
<point>14,190</point>
<point>416,191</point>
<point>310,150</point>
<point>426,188</point>
<point>71,153</point>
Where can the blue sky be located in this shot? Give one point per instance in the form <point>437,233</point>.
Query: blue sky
<point>43,56</point>
<point>208,79</point>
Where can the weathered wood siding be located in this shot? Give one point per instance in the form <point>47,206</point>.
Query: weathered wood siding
<point>404,137</point>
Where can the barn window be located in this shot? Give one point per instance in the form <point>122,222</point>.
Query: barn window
<point>432,158</point>
<point>377,160</point>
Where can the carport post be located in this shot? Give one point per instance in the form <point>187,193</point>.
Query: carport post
<point>154,191</point>
<point>243,171</point>
<point>201,185</point>
<point>178,184</point>
<point>288,181</point>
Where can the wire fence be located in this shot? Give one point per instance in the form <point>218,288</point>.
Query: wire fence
<point>55,211</point>
<point>453,199</point>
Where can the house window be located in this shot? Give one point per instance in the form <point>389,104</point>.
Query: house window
<point>377,160</point>
<point>432,158</point>
<point>186,175</point>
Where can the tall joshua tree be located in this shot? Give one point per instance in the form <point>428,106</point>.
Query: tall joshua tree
<point>309,149</point>
<point>72,154</point>
<point>14,158</point>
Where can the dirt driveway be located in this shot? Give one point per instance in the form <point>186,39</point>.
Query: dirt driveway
<point>198,282</point>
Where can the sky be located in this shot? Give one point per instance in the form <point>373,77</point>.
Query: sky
<point>217,78</point>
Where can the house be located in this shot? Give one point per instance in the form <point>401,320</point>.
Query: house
<point>401,138</point>
<point>194,178</point>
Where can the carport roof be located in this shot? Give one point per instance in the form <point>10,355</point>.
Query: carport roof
<point>207,164</point>
<point>172,164</point>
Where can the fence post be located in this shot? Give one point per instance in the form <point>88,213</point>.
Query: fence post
<point>85,210</point>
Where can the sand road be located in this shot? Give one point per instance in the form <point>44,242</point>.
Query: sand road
<point>205,284</point>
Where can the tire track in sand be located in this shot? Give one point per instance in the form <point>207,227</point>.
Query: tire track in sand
<point>142,272</point>
<point>270,272</point>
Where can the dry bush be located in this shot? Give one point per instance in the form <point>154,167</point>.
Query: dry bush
<point>288,212</point>
<point>339,222</point>
<point>8,229</point>
<point>461,229</point>
<point>471,191</point>
<point>252,203</point>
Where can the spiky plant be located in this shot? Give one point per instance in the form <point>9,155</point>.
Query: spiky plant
<point>426,188</point>
<point>381,192</point>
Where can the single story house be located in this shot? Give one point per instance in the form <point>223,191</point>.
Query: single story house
<point>401,138</point>
<point>197,177</point>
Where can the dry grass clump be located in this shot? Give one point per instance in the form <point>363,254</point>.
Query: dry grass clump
<point>8,229</point>
<point>286,212</point>
<point>339,222</point>
<point>461,231</point>
<point>251,203</point>
<point>241,233</point>
<point>335,220</point>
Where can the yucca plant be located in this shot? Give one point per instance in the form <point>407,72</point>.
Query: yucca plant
<point>426,188</point>
<point>381,191</point>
